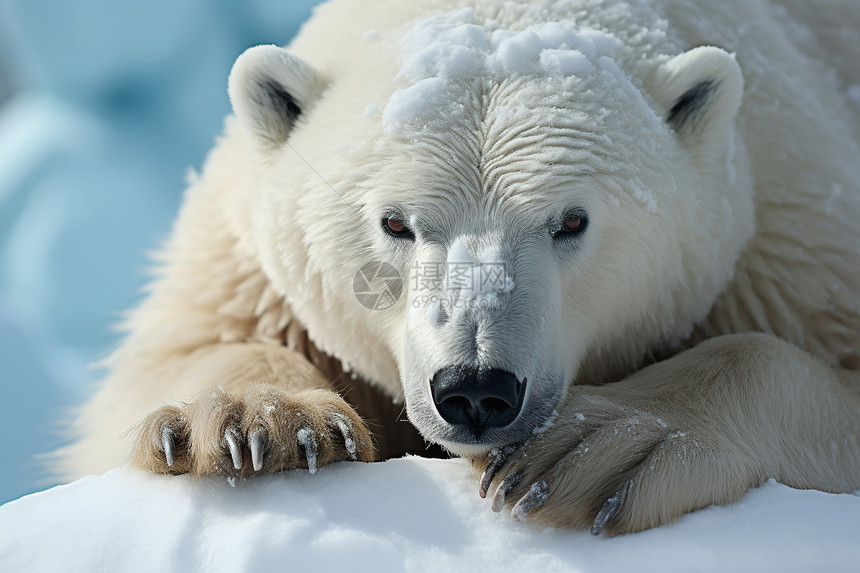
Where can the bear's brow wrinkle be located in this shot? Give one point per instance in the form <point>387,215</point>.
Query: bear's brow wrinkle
<point>691,103</point>
<point>279,99</point>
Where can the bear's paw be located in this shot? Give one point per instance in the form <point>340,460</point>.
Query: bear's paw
<point>615,465</point>
<point>265,429</point>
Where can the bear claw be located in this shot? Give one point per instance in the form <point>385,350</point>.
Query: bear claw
<point>308,441</point>
<point>167,442</point>
<point>509,483</point>
<point>609,511</point>
<point>233,440</point>
<point>257,442</point>
<point>536,497</point>
<point>266,431</point>
<point>498,459</point>
<point>345,427</point>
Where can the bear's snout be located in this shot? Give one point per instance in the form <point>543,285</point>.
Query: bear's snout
<point>477,399</point>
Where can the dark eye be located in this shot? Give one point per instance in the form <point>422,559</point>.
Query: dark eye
<point>573,224</point>
<point>394,226</point>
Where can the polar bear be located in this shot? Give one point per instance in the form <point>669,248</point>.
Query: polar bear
<point>606,250</point>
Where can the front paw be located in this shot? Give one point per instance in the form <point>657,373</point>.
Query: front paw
<point>264,429</point>
<point>617,468</point>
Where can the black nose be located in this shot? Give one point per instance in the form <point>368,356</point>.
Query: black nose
<point>478,398</point>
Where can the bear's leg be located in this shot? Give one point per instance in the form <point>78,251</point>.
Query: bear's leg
<point>257,408</point>
<point>698,429</point>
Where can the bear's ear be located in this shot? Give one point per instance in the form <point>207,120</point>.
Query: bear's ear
<point>701,92</point>
<point>270,89</point>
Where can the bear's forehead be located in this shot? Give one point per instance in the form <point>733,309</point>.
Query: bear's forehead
<point>498,109</point>
<point>450,65</point>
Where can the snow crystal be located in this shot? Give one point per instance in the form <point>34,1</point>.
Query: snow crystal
<point>371,35</point>
<point>579,417</point>
<point>371,110</point>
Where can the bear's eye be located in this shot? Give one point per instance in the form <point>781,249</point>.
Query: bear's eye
<point>394,226</point>
<point>573,224</point>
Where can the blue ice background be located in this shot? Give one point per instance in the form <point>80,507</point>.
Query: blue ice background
<point>104,105</point>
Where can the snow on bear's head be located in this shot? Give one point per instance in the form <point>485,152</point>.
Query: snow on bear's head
<point>475,217</point>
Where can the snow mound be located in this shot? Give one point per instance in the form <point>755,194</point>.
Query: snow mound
<point>443,51</point>
<point>410,514</point>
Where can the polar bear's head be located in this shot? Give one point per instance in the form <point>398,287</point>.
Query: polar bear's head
<point>536,208</point>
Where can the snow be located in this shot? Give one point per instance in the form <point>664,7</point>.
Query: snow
<point>410,514</point>
<point>445,50</point>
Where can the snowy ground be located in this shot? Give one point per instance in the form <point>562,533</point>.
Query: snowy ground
<point>409,514</point>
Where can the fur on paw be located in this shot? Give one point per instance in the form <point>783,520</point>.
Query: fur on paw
<point>615,468</point>
<point>263,429</point>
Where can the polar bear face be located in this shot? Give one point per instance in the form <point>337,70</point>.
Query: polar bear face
<point>540,204</point>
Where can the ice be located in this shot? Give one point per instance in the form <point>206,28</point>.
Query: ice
<point>403,515</point>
